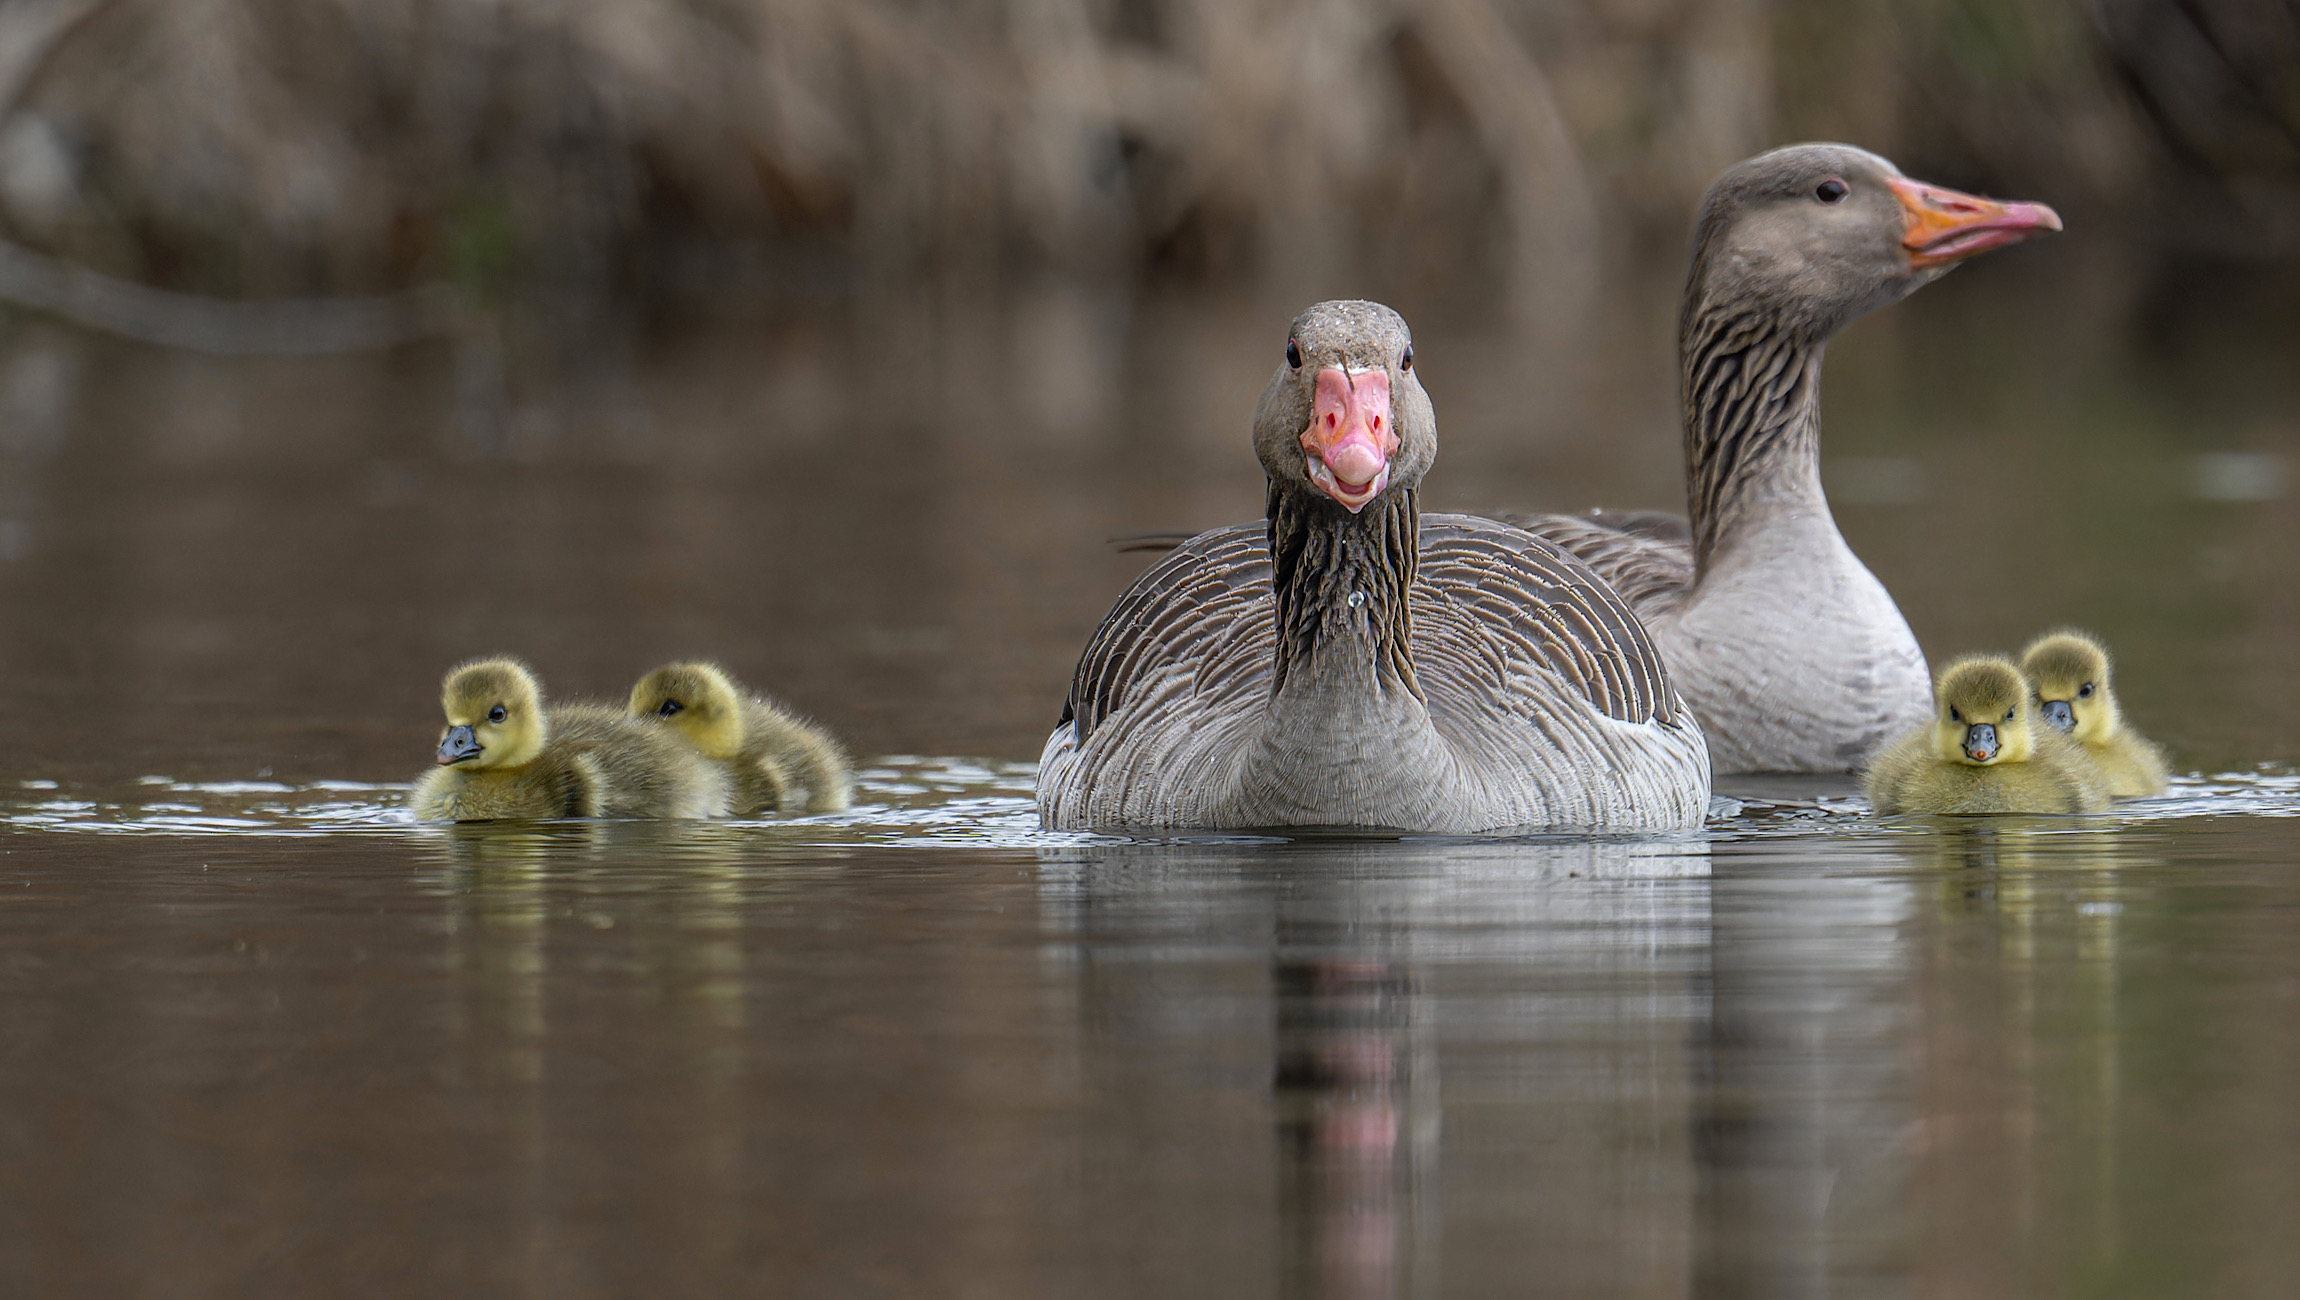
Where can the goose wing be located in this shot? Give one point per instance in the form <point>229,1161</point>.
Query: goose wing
<point>1645,555</point>
<point>1200,621</point>
<point>1491,602</point>
<point>1497,605</point>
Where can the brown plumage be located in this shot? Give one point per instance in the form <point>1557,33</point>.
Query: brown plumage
<point>778,762</point>
<point>1754,597</point>
<point>1351,661</point>
<point>504,756</point>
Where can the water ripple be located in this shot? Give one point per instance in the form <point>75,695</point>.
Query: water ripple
<point>929,802</point>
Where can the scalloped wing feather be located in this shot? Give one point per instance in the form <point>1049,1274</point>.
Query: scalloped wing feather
<point>1646,556</point>
<point>1519,648</point>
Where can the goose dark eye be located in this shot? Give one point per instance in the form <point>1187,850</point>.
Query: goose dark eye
<point>2011,711</point>
<point>1406,362</point>
<point>668,708</point>
<point>1955,716</point>
<point>1831,190</point>
<point>1293,354</point>
<point>496,714</point>
<point>2085,691</point>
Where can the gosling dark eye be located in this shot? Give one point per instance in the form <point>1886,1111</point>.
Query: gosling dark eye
<point>1406,362</point>
<point>1831,190</point>
<point>668,708</point>
<point>496,714</point>
<point>2009,713</point>
<point>2085,691</point>
<point>1955,716</point>
<point>1293,354</point>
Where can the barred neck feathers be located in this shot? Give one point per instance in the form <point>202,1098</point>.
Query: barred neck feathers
<point>1752,398</point>
<point>1341,581</point>
<point>1792,246</point>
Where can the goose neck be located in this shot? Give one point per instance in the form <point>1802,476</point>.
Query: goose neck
<point>1341,583</point>
<point>1751,388</point>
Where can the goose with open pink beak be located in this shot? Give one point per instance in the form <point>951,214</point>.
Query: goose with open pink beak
<point>1349,443</point>
<point>1348,661</point>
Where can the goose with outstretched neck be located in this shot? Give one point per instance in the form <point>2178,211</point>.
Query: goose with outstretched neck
<point>1352,662</point>
<point>1790,651</point>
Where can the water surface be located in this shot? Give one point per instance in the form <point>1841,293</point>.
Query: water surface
<point>260,1034</point>
<point>273,1038</point>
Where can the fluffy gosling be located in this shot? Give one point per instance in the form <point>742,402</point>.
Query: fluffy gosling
<point>503,756</point>
<point>1981,753</point>
<point>2070,672</point>
<point>777,762</point>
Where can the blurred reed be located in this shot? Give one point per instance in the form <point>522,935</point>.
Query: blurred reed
<point>1494,153</point>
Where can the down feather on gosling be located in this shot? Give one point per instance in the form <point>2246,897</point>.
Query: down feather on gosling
<point>1982,752</point>
<point>777,761</point>
<point>2070,671</point>
<point>504,756</point>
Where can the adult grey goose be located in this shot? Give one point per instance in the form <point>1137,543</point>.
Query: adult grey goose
<point>1386,670</point>
<point>1790,651</point>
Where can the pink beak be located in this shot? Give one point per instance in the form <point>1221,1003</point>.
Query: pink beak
<point>1348,446</point>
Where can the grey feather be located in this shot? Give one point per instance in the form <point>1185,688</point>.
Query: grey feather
<point>1551,703</point>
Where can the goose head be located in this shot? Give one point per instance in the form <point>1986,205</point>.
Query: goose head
<point>1344,416</point>
<point>1981,713</point>
<point>700,700</point>
<point>494,715</point>
<point>1823,233</point>
<point>2070,671</point>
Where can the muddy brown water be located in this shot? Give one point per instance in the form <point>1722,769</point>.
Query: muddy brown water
<point>259,1034</point>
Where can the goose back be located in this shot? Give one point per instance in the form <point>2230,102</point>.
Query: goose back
<point>1646,556</point>
<point>646,769</point>
<point>802,755</point>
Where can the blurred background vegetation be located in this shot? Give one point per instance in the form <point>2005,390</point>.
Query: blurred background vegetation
<point>836,337</point>
<point>717,155</point>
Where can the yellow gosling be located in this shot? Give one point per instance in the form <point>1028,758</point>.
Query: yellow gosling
<point>1982,753</point>
<point>701,705</point>
<point>504,756</point>
<point>2070,672</point>
<point>778,762</point>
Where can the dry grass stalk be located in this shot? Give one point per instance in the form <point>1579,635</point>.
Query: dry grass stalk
<point>266,148</point>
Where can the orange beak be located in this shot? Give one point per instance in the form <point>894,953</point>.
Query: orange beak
<point>1946,226</point>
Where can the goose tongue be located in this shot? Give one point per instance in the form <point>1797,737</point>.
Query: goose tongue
<point>1348,446</point>
<point>1946,225</point>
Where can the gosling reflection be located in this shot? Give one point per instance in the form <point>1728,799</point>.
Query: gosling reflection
<point>1803,1107</point>
<point>496,921</point>
<point>2021,1007</point>
<point>536,914</point>
<point>1354,1147</point>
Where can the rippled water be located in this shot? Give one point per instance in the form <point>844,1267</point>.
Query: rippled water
<point>268,1036</point>
<point>261,1034</point>
<point>906,801</point>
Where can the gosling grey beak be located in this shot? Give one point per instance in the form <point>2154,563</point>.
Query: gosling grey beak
<point>1981,742</point>
<point>2058,713</point>
<point>457,745</point>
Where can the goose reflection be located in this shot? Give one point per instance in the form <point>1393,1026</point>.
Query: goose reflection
<point>1355,1091</point>
<point>1559,962</point>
